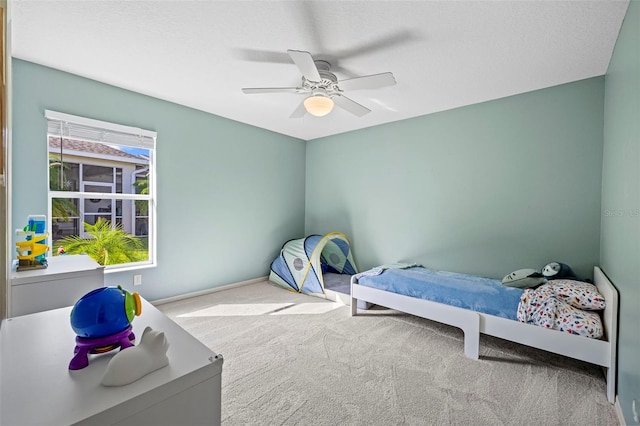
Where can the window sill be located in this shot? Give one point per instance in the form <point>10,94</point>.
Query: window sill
<point>114,269</point>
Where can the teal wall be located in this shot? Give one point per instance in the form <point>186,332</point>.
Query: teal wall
<point>228,194</point>
<point>620,246</point>
<point>485,189</point>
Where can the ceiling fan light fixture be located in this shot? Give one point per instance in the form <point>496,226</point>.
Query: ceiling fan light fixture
<point>318,105</point>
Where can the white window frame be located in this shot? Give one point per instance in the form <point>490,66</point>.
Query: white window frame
<point>90,130</point>
<point>83,212</point>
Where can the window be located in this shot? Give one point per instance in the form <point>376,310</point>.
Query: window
<point>101,190</point>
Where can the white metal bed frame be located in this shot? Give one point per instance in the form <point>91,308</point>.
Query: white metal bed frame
<point>595,351</point>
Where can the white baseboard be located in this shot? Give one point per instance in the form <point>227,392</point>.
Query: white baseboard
<point>618,410</point>
<point>207,291</point>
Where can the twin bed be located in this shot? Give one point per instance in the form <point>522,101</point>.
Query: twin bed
<point>494,315</point>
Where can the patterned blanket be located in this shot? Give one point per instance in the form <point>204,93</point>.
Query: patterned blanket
<point>564,305</point>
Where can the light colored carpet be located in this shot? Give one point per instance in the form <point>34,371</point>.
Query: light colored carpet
<point>291,359</point>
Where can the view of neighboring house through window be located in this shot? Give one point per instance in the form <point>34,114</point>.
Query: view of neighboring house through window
<point>101,190</point>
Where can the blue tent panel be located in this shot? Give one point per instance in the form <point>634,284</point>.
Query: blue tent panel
<point>343,246</point>
<point>310,243</point>
<point>279,266</point>
<point>312,283</point>
<point>349,269</point>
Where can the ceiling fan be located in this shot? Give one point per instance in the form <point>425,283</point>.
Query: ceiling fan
<point>323,87</point>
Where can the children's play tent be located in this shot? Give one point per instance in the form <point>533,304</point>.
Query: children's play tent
<point>302,262</point>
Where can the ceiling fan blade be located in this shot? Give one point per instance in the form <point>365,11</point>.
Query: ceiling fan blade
<point>299,112</point>
<point>384,42</point>
<point>305,63</point>
<point>255,55</point>
<point>352,106</point>
<point>368,82</point>
<point>254,90</point>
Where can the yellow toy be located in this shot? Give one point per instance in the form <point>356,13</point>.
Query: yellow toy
<point>32,252</point>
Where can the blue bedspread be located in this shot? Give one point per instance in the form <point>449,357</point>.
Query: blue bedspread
<point>464,291</point>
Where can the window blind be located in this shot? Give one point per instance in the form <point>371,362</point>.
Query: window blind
<point>87,129</point>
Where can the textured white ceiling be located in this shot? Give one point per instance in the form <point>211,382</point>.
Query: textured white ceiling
<point>444,54</point>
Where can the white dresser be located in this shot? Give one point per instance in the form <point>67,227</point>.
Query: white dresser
<point>38,388</point>
<point>62,283</point>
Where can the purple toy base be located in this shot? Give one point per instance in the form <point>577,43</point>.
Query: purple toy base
<point>84,346</point>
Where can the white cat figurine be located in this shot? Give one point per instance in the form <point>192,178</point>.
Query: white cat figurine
<point>133,363</point>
